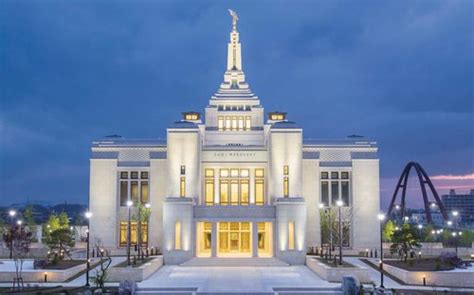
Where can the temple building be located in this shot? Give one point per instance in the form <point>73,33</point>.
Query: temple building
<point>234,181</point>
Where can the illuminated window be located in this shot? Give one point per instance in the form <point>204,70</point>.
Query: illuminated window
<point>134,191</point>
<point>228,123</point>
<point>224,192</point>
<point>244,192</point>
<point>285,170</point>
<point>144,192</point>
<point>286,187</point>
<point>259,187</point>
<point>191,116</point>
<point>133,233</point>
<point>277,116</point>
<point>177,235</point>
<point>209,187</point>
<point>291,235</point>
<point>234,192</point>
<point>241,123</point>
<point>182,187</point>
<point>234,123</point>
<point>247,123</point>
<point>220,123</point>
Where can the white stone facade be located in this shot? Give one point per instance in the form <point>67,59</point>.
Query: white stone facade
<point>234,184</point>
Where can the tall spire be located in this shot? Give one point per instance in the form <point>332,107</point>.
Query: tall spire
<point>234,56</point>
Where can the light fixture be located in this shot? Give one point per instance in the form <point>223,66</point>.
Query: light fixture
<point>147,205</point>
<point>339,203</point>
<point>129,203</point>
<point>88,214</point>
<point>19,222</point>
<point>450,223</point>
<point>12,213</point>
<point>420,226</point>
<point>381,216</point>
<point>321,206</point>
<point>455,213</point>
<point>397,207</point>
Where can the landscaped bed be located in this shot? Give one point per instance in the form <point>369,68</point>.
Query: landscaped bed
<point>63,264</point>
<point>426,264</point>
<point>138,264</point>
<point>330,263</point>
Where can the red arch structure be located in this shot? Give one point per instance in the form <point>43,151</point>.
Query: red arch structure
<point>423,180</point>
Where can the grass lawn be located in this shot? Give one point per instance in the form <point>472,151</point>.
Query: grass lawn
<point>331,264</point>
<point>139,262</point>
<point>426,264</point>
<point>64,264</point>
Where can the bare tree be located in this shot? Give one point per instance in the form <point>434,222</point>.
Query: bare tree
<point>18,240</point>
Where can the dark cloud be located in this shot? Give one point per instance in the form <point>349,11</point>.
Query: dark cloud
<point>399,72</point>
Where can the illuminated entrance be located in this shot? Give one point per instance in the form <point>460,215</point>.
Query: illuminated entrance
<point>234,239</point>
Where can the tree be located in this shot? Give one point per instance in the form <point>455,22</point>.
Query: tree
<point>18,240</point>
<point>404,241</point>
<point>142,216</point>
<point>388,231</point>
<point>59,237</point>
<point>28,216</point>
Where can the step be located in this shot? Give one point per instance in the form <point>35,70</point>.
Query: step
<point>167,290</point>
<point>234,262</point>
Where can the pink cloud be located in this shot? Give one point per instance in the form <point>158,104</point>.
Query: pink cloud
<point>453,177</point>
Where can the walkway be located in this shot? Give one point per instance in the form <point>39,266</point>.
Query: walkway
<point>232,279</point>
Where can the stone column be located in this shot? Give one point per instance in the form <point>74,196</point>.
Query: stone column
<point>254,239</point>
<point>214,240</point>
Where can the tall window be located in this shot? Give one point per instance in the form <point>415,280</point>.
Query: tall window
<point>259,187</point>
<point>286,185</point>
<point>182,182</point>
<point>233,123</point>
<point>220,123</point>
<point>234,186</point>
<point>134,187</point>
<point>291,235</point>
<point>182,187</point>
<point>133,233</point>
<point>209,186</point>
<point>334,188</point>
<point>177,235</point>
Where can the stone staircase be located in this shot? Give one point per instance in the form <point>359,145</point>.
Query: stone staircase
<point>234,262</point>
<point>276,291</point>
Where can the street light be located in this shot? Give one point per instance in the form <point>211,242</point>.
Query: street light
<point>12,214</point>
<point>322,206</point>
<point>455,215</point>
<point>339,204</point>
<point>88,215</point>
<point>381,218</point>
<point>420,227</point>
<point>129,231</point>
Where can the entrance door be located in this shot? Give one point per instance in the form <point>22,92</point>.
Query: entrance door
<point>234,239</point>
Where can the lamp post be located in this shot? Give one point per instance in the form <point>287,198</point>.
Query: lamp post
<point>455,217</point>
<point>88,216</point>
<point>12,214</point>
<point>381,218</point>
<point>339,204</point>
<point>420,227</point>
<point>129,231</point>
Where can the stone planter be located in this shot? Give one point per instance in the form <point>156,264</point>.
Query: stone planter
<point>335,274</point>
<point>136,274</point>
<point>448,278</point>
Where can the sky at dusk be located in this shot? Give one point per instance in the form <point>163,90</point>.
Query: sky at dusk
<point>398,72</point>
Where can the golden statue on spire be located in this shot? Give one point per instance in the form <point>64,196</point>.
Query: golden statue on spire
<point>235,18</point>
